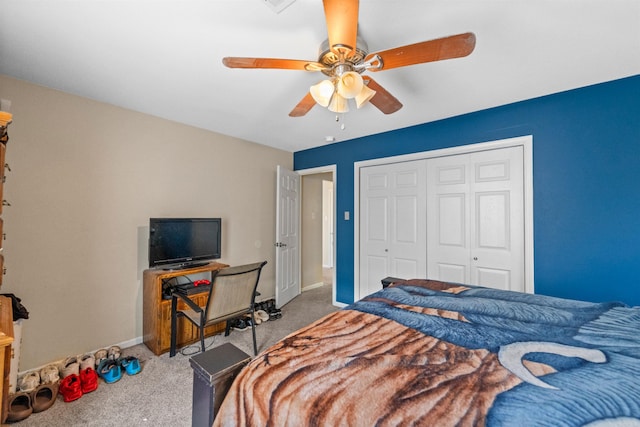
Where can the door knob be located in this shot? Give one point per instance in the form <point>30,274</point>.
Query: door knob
<point>475,258</point>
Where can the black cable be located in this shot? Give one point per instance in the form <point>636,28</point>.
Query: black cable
<point>192,349</point>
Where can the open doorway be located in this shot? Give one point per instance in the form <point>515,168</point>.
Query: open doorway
<point>317,225</point>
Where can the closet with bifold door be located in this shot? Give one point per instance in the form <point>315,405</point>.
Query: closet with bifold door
<point>457,218</point>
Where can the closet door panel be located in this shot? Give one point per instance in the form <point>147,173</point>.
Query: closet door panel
<point>475,218</point>
<point>497,242</point>
<point>392,223</point>
<point>448,219</point>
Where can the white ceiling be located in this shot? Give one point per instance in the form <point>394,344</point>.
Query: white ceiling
<point>164,57</point>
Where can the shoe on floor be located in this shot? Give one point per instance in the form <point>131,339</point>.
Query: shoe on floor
<point>19,407</point>
<point>110,371</point>
<point>70,366</point>
<point>248,321</point>
<point>49,374</point>
<point>29,382</point>
<point>70,388</point>
<point>87,361</point>
<point>262,315</point>
<point>113,352</point>
<point>99,356</point>
<point>43,397</point>
<point>240,325</point>
<point>275,313</point>
<point>88,379</point>
<point>256,318</point>
<point>130,364</point>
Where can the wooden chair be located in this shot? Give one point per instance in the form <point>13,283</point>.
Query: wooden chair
<point>232,294</point>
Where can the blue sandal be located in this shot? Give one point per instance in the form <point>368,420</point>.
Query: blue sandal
<point>110,371</point>
<point>131,364</point>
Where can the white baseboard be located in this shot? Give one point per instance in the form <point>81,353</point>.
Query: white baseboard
<point>312,286</point>
<point>130,343</point>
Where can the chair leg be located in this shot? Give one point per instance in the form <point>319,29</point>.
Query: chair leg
<point>253,330</point>
<point>174,315</point>
<point>227,329</point>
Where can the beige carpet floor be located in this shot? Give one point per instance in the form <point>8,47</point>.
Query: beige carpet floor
<point>161,394</point>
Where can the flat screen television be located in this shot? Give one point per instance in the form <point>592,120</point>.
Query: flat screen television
<point>184,242</point>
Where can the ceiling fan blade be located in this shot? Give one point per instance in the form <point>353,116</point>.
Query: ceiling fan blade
<point>286,64</point>
<point>303,106</point>
<point>428,51</point>
<point>383,100</point>
<point>342,24</point>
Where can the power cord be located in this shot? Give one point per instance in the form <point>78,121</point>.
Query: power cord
<point>192,349</point>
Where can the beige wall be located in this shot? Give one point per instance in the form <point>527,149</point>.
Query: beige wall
<point>311,223</point>
<point>85,178</point>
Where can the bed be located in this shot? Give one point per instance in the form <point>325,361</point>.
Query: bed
<point>424,352</point>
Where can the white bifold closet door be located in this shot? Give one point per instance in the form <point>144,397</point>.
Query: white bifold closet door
<point>392,223</point>
<point>475,218</point>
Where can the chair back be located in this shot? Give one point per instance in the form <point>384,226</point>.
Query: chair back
<point>233,291</point>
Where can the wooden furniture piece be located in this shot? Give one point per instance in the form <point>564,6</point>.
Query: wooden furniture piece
<point>6,309</point>
<point>6,338</point>
<point>213,373</point>
<point>390,280</point>
<point>156,318</point>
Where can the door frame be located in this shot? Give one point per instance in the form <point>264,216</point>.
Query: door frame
<point>333,169</point>
<point>526,142</point>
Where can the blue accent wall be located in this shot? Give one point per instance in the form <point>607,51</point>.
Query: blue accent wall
<point>586,183</point>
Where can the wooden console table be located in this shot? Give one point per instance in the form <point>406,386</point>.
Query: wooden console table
<point>156,318</point>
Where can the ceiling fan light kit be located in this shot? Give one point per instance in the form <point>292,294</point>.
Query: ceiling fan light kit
<point>336,92</point>
<point>344,57</point>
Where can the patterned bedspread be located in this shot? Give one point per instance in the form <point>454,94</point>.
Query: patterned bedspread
<point>438,354</point>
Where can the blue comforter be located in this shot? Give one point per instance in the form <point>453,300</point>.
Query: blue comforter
<point>594,348</point>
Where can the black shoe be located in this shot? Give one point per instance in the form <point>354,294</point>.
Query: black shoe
<point>274,313</point>
<point>241,325</point>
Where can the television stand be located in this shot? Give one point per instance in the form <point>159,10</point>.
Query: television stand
<point>156,311</point>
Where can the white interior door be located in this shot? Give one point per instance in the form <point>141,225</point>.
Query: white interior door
<point>287,236</point>
<point>392,223</point>
<point>475,221</point>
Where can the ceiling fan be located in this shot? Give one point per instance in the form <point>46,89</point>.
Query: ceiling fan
<point>344,56</point>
